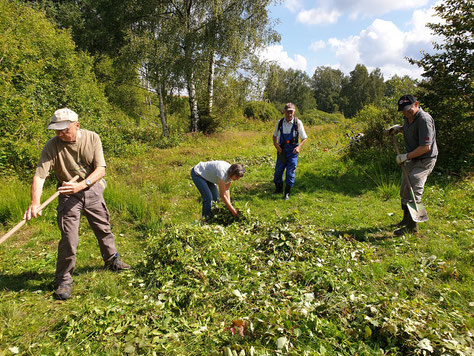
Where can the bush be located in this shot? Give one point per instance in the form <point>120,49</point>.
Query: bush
<point>209,123</point>
<point>260,110</point>
<point>318,117</point>
<point>41,71</point>
<point>375,146</point>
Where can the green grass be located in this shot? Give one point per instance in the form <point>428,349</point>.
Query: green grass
<point>320,274</point>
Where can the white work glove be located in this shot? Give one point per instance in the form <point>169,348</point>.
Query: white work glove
<point>402,158</point>
<point>394,129</point>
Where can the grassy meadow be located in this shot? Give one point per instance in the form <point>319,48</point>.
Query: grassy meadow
<point>320,274</point>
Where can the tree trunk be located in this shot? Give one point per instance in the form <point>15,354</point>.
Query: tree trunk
<point>193,105</point>
<point>210,83</point>
<point>162,109</point>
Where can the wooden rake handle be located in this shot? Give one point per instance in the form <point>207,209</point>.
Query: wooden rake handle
<point>42,206</point>
<point>402,166</point>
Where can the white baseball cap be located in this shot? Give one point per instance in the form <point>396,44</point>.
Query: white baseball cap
<point>62,118</point>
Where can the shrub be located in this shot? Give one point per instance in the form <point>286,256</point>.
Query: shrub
<point>260,110</point>
<point>318,117</point>
<point>209,123</point>
<point>41,71</point>
<point>375,145</point>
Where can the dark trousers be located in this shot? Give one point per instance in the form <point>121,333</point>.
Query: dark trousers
<point>91,201</point>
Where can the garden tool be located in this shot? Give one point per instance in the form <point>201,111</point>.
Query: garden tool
<point>417,210</point>
<point>42,206</point>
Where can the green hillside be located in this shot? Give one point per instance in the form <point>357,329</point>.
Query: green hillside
<point>318,274</point>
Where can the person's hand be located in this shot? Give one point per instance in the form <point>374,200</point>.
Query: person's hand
<point>70,188</point>
<point>278,147</point>
<point>235,212</point>
<point>296,150</point>
<point>402,158</point>
<point>32,212</point>
<point>393,130</point>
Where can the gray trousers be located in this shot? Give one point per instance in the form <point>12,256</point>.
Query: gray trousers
<point>91,201</point>
<point>418,171</point>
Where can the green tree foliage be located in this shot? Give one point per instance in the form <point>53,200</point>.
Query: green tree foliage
<point>230,96</point>
<point>101,27</point>
<point>447,92</point>
<point>361,89</point>
<point>192,44</point>
<point>376,86</point>
<point>97,26</point>
<point>396,87</point>
<point>335,91</point>
<point>327,84</point>
<point>41,71</point>
<point>290,85</point>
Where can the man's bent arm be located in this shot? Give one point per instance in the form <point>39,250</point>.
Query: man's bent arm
<point>72,188</point>
<point>420,150</point>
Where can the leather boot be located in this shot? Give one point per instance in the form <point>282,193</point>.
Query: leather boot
<point>406,217</point>
<point>278,188</point>
<point>409,228</point>
<point>287,192</point>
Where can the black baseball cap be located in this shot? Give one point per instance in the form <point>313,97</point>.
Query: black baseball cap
<point>405,102</point>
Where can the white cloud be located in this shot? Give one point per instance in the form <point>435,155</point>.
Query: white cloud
<point>420,37</point>
<point>329,11</point>
<point>318,16</point>
<point>385,46</point>
<point>317,45</point>
<point>347,52</point>
<point>357,8</point>
<point>381,42</point>
<point>277,54</point>
<point>293,5</point>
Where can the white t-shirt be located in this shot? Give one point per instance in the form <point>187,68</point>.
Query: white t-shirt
<point>287,127</point>
<point>212,171</point>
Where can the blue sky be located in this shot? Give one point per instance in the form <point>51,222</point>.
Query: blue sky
<point>342,33</point>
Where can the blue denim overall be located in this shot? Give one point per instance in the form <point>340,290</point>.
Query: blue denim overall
<point>291,160</point>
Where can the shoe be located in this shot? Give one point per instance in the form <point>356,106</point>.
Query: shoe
<point>278,188</point>
<point>406,217</point>
<point>410,227</point>
<point>116,265</point>
<point>63,292</point>
<point>287,192</point>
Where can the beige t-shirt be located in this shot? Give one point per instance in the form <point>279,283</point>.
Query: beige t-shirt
<point>70,158</point>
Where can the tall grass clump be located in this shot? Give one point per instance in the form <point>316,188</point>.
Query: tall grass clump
<point>386,179</point>
<point>15,200</point>
<point>130,204</point>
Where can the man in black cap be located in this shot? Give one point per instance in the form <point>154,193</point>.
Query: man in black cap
<point>420,157</point>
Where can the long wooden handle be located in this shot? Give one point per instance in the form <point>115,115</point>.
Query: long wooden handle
<point>404,170</point>
<point>41,207</point>
<point>395,143</point>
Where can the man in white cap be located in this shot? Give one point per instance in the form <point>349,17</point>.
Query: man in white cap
<point>74,151</point>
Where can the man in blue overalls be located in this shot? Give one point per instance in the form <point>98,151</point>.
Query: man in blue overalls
<point>285,140</point>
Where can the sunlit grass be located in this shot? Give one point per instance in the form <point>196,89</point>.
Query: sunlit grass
<point>342,207</point>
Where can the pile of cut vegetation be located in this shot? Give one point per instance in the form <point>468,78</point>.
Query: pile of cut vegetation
<point>291,288</point>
